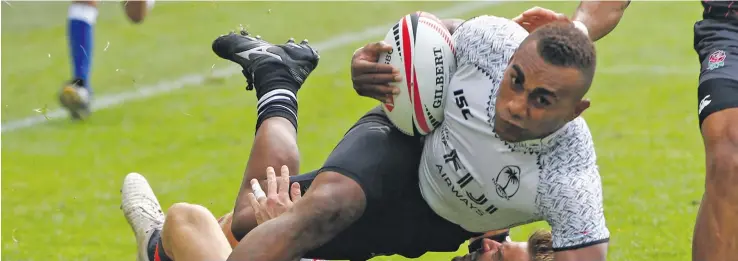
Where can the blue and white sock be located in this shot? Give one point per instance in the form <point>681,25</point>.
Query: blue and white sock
<point>82,19</point>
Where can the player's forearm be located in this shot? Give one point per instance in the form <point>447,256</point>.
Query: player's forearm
<point>312,222</point>
<point>275,145</point>
<point>600,17</point>
<point>269,241</point>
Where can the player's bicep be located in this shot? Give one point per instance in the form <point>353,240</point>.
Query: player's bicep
<point>572,205</point>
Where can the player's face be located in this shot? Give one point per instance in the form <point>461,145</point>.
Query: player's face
<point>536,98</point>
<point>508,251</point>
<point>495,251</point>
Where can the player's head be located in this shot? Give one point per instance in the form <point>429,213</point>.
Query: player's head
<point>538,248</point>
<point>545,82</point>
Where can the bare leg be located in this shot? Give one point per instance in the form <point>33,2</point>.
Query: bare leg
<point>75,94</point>
<point>187,232</point>
<point>276,81</point>
<point>191,233</point>
<point>716,230</point>
<point>275,144</point>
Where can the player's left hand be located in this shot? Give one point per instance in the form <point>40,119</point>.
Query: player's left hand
<point>536,17</point>
<point>277,198</point>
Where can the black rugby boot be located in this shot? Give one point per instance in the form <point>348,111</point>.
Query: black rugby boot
<point>283,66</point>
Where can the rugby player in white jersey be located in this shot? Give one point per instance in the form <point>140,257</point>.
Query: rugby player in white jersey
<point>512,150</point>
<point>170,237</point>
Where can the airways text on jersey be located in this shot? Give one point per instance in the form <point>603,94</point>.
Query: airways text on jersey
<point>483,186</point>
<point>458,186</point>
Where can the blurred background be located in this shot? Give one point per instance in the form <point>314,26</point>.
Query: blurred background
<point>168,108</point>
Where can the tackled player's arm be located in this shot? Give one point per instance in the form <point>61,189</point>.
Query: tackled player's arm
<point>331,204</point>
<point>600,17</point>
<point>573,207</point>
<point>374,79</point>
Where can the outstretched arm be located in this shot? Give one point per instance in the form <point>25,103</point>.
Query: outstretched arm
<point>600,17</point>
<point>331,204</point>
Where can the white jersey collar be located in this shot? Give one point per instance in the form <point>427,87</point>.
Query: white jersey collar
<point>536,145</point>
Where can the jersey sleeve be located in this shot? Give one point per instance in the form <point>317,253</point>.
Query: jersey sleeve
<point>570,194</point>
<point>487,41</point>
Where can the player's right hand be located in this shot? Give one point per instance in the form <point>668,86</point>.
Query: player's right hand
<point>279,197</point>
<point>373,79</point>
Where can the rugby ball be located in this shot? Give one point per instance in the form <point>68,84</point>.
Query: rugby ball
<point>423,52</point>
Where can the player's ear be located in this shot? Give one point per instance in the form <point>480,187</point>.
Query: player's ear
<point>579,108</point>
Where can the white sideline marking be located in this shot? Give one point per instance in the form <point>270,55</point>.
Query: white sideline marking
<point>164,87</point>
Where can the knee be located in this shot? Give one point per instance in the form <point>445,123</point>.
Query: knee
<point>721,144</point>
<point>723,165</point>
<point>183,214</point>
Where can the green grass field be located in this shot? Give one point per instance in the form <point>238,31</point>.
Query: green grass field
<point>61,180</point>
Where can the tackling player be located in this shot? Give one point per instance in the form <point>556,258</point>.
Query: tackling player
<point>191,233</point>
<point>531,159</point>
<point>276,81</point>
<point>76,94</point>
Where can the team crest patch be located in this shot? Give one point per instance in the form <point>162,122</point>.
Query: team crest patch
<point>716,60</point>
<point>508,182</point>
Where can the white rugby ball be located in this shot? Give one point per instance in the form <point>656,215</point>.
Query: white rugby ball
<point>423,52</point>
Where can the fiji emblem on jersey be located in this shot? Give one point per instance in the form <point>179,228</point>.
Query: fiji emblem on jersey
<point>716,60</point>
<point>508,181</point>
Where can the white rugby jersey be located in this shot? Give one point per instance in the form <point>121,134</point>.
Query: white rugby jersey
<point>472,178</point>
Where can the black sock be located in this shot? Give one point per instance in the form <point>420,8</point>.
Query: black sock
<point>270,77</point>
<point>279,102</point>
<point>155,249</point>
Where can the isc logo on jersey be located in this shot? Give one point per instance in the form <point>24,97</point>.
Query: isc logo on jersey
<point>423,52</point>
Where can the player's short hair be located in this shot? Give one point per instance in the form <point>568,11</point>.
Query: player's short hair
<point>540,246</point>
<point>562,44</point>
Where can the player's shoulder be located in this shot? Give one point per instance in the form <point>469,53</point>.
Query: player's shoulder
<point>488,24</point>
<point>486,39</point>
<point>571,152</point>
